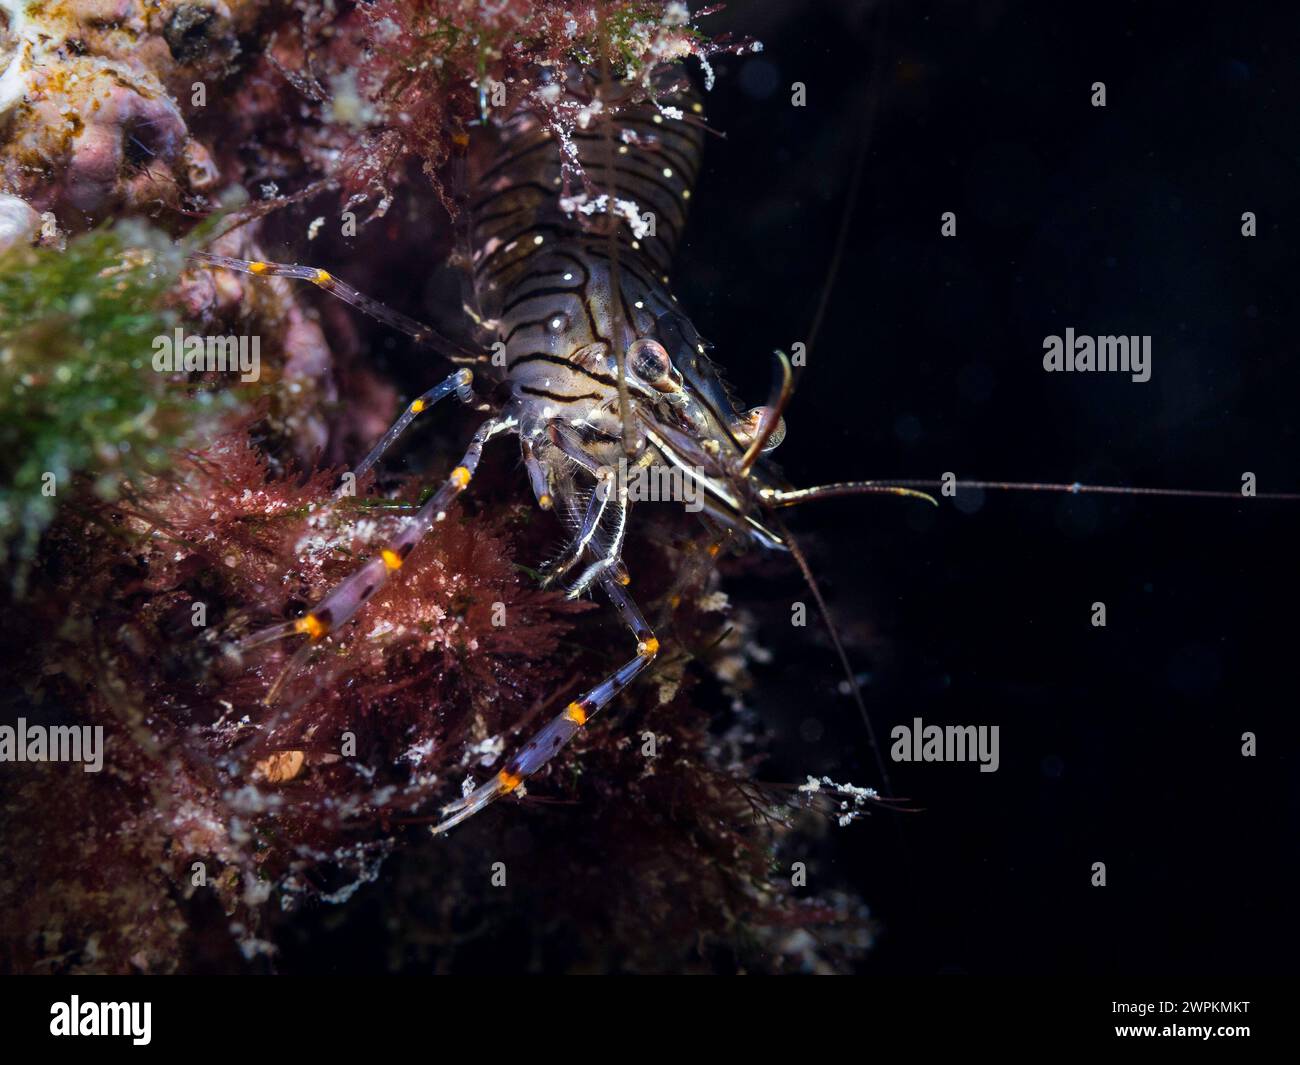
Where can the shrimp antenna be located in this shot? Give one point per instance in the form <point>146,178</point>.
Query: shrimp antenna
<point>778,497</point>
<point>802,562</point>
<point>851,196</point>
<point>1081,489</point>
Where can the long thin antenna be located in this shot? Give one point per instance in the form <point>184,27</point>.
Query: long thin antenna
<point>1093,489</point>
<point>849,675</point>
<point>789,497</point>
<point>855,184</point>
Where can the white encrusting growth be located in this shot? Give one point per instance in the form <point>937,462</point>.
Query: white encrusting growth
<point>13,82</point>
<point>853,800</point>
<point>630,210</point>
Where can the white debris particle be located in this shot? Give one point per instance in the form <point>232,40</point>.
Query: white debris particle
<point>627,209</point>
<point>708,73</point>
<point>667,689</point>
<point>314,228</point>
<point>250,947</point>
<point>256,891</point>
<point>714,602</point>
<point>418,752</point>
<point>587,113</point>
<point>387,30</point>
<point>676,14</point>
<point>367,874</point>
<point>347,106</point>
<point>485,751</point>
<point>249,800</point>
<point>853,800</point>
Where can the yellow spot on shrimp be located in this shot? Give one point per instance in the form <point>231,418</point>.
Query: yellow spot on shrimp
<point>508,781</point>
<point>460,476</point>
<point>258,268</point>
<point>417,406</point>
<point>648,647</point>
<point>391,558</point>
<point>311,625</point>
<point>322,277</point>
<point>577,713</point>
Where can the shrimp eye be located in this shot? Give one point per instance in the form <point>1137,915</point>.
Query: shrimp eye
<point>747,425</point>
<point>650,363</point>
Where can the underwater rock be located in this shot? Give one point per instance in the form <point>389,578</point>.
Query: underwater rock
<point>221,824</point>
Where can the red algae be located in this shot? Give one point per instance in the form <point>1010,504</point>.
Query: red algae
<point>222,826</point>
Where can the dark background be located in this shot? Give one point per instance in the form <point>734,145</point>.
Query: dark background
<point>1119,744</point>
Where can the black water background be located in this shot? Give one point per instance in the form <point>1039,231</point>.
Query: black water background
<point>1119,745</point>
